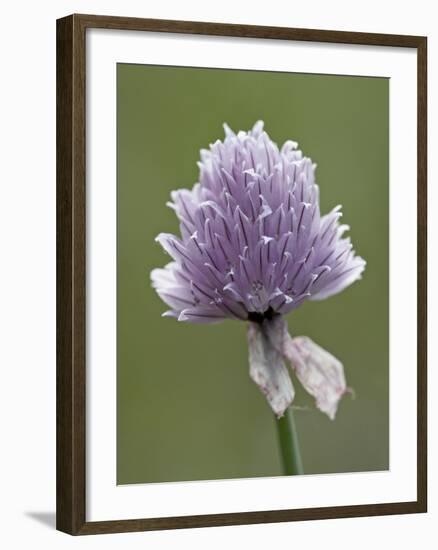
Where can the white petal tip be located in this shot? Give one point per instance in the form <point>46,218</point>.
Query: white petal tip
<point>169,313</point>
<point>228,131</point>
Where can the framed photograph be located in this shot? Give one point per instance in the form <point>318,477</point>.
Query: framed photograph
<point>241,274</point>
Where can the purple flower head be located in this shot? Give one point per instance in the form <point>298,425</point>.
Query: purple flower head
<point>253,244</point>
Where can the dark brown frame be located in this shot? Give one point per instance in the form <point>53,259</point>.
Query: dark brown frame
<point>71,231</point>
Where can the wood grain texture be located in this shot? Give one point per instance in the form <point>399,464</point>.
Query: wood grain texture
<point>248,31</point>
<point>71,270</point>
<point>422,274</point>
<point>246,518</point>
<point>70,173</point>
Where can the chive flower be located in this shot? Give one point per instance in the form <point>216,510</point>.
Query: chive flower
<point>254,247</point>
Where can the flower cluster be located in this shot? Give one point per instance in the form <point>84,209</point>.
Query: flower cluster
<point>253,243</point>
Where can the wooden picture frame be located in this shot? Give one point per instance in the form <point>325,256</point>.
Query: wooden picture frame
<point>71,272</point>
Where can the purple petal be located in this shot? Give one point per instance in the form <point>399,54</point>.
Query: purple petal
<point>201,315</point>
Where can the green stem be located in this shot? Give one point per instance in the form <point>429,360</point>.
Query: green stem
<point>289,445</point>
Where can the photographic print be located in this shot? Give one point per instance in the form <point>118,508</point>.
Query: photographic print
<point>252,274</point>
<point>241,248</point>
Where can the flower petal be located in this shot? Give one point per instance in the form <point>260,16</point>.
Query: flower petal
<point>341,280</point>
<point>201,315</point>
<point>267,368</point>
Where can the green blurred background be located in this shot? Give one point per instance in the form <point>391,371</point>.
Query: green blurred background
<point>186,407</point>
